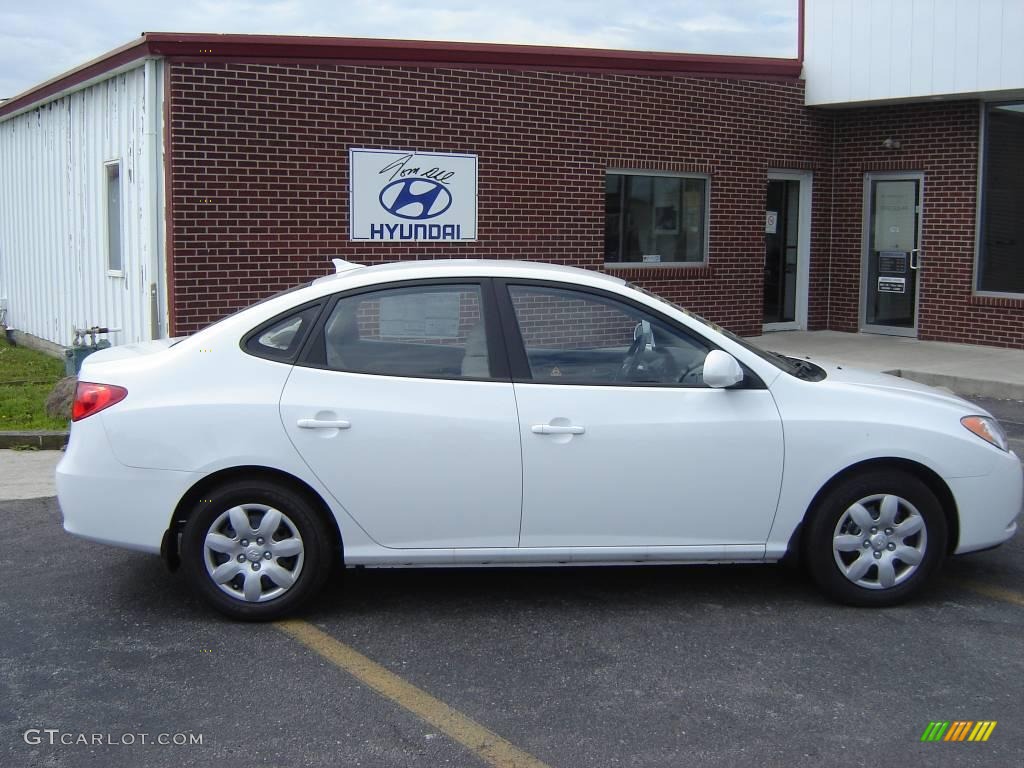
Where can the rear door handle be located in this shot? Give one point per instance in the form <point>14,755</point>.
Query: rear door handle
<point>323,424</point>
<point>551,429</point>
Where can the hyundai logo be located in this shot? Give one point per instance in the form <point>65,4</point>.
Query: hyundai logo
<point>416,198</point>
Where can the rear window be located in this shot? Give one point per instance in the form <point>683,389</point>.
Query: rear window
<point>281,338</point>
<point>285,292</point>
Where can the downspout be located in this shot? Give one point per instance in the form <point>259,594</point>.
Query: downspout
<point>831,223</point>
<point>800,31</point>
<point>154,207</point>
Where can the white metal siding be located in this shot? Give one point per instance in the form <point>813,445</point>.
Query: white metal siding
<point>880,50</point>
<point>53,247</point>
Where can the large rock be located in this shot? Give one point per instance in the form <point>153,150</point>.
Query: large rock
<point>58,402</point>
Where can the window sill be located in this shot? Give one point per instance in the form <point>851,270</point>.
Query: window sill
<point>663,271</point>
<point>1009,300</point>
<point>115,273</point>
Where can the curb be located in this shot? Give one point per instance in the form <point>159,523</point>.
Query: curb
<point>39,439</point>
<point>1001,390</point>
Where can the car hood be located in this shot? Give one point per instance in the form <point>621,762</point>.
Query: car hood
<point>842,374</point>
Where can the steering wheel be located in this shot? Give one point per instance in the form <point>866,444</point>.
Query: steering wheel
<point>631,359</point>
<point>692,375</point>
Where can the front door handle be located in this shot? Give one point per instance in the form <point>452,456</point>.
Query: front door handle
<point>323,424</point>
<point>553,429</point>
<point>915,258</point>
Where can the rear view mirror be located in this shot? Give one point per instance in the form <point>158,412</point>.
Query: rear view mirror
<point>643,331</point>
<point>721,370</point>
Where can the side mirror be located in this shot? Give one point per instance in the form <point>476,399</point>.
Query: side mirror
<point>721,370</point>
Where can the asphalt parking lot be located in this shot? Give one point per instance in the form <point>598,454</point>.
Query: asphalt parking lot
<point>716,666</point>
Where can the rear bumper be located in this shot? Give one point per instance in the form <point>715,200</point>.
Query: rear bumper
<point>989,505</point>
<point>103,500</point>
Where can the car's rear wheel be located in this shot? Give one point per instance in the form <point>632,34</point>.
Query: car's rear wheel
<point>255,550</point>
<point>876,538</point>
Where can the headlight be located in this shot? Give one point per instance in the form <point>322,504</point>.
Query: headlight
<point>987,429</point>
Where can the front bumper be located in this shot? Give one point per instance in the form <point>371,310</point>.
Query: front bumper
<point>989,505</point>
<point>105,501</point>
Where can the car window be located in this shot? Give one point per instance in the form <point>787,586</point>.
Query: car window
<point>281,339</point>
<point>577,337</point>
<point>427,330</point>
<point>802,369</point>
<point>246,308</point>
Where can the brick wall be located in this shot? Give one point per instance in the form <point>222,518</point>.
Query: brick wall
<point>259,175</point>
<point>259,171</point>
<point>941,141</point>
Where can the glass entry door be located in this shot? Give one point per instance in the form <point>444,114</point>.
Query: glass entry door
<point>892,257</point>
<point>781,247</point>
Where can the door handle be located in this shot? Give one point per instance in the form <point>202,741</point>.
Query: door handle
<point>915,257</point>
<point>552,429</point>
<point>322,424</point>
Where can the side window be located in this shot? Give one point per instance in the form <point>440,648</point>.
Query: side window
<point>281,339</point>
<point>115,258</point>
<point>428,330</point>
<point>572,337</point>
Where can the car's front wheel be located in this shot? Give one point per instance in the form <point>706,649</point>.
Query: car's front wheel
<point>876,538</point>
<point>255,550</point>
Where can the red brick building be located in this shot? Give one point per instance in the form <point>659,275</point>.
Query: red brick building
<point>183,177</point>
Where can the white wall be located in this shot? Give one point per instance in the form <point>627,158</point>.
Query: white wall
<point>53,251</point>
<point>881,50</point>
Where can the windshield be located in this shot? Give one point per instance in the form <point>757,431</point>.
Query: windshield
<point>802,369</point>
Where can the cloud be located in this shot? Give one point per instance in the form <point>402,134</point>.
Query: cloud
<point>42,39</point>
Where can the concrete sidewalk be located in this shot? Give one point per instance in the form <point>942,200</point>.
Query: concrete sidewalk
<point>28,474</point>
<point>964,368</point>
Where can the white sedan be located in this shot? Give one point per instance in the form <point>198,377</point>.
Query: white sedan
<point>474,413</point>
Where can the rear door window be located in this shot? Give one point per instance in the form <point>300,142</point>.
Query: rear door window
<point>429,331</point>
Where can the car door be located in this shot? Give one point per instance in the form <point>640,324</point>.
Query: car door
<point>623,444</point>
<point>402,407</point>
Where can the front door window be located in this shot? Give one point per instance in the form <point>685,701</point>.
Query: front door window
<point>572,337</point>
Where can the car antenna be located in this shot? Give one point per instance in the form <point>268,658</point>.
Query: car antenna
<point>340,265</point>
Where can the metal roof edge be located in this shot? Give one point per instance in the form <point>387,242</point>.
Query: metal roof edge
<point>461,53</point>
<point>367,51</point>
<point>109,64</point>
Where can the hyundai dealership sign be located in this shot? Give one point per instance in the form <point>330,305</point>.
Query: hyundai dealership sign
<point>411,196</point>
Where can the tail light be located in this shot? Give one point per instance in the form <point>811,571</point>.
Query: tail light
<point>92,398</point>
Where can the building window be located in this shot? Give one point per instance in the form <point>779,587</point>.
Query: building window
<point>1001,230</point>
<point>115,260</point>
<point>654,219</point>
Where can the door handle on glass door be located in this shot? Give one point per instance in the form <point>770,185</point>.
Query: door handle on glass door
<point>915,258</point>
<point>553,429</point>
<point>322,424</point>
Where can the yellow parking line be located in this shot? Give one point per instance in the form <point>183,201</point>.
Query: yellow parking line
<point>996,593</point>
<point>487,745</point>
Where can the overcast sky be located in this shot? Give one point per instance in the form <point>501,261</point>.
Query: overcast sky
<point>42,38</point>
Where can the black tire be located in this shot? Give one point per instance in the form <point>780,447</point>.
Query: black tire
<point>835,544</point>
<point>307,570</point>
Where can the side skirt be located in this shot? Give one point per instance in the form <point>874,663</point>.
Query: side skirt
<point>548,556</point>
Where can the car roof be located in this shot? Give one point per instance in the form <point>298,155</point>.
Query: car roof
<point>427,268</point>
